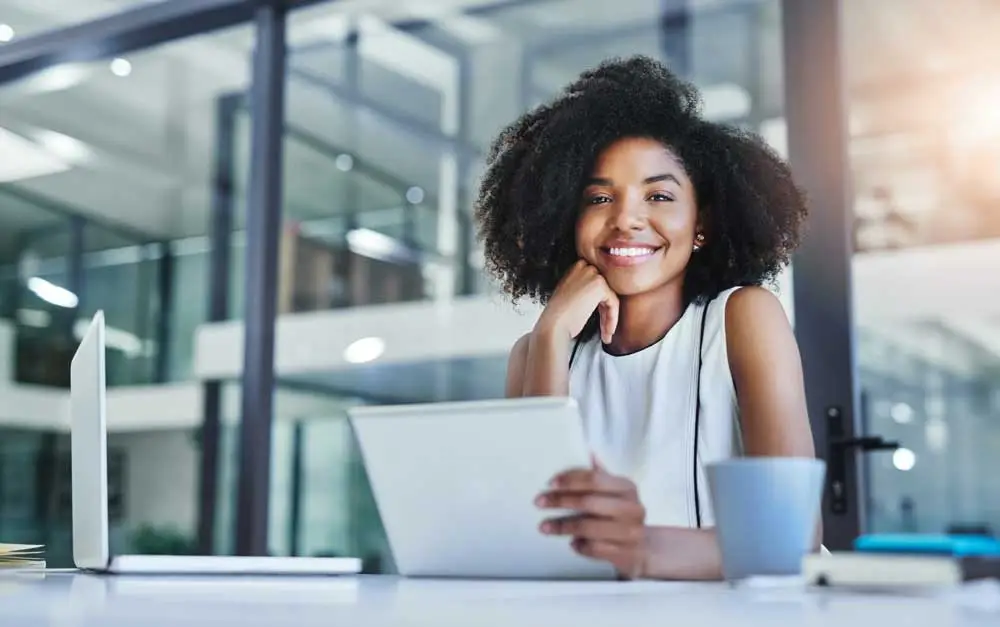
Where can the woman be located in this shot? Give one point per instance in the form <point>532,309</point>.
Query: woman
<point>647,233</point>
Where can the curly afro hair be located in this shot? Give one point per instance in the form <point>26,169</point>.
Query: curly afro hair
<point>749,207</point>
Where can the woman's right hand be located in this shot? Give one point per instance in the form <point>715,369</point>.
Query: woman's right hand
<point>580,292</point>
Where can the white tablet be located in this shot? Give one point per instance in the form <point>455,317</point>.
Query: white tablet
<point>455,485</point>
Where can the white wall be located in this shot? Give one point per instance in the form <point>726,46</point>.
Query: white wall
<point>161,478</point>
<point>480,326</point>
<point>139,408</point>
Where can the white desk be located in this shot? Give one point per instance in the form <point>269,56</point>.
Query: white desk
<point>77,600</point>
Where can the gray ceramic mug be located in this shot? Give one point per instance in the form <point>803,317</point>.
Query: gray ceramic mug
<point>766,513</point>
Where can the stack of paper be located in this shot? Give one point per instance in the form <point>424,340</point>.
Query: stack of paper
<point>21,556</point>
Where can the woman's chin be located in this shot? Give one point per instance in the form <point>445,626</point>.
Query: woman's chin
<point>632,286</point>
<point>627,289</point>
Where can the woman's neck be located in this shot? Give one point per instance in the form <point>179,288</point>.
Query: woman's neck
<point>644,319</point>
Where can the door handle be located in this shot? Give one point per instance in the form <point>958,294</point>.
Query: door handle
<point>866,443</point>
<point>839,452</point>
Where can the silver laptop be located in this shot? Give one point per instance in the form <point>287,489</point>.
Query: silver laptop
<point>455,485</point>
<point>89,439</point>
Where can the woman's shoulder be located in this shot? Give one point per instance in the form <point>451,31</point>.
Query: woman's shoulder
<point>743,304</point>
<point>748,306</point>
<point>741,321</point>
<point>736,312</point>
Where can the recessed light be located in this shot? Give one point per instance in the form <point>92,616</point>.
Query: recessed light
<point>902,413</point>
<point>415,195</point>
<point>6,33</point>
<point>52,293</point>
<point>121,67</point>
<point>344,162</point>
<point>364,350</point>
<point>904,459</point>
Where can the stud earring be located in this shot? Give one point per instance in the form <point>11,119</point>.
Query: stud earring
<point>699,241</point>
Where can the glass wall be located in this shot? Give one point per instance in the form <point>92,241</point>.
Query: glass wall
<point>107,183</point>
<point>924,143</point>
<point>37,304</point>
<point>121,153</point>
<point>320,502</point>
<point>388,124</point>
<point>387,127</point>
<point>111,172</point>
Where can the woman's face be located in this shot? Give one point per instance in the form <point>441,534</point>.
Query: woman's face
<point>638,219</point>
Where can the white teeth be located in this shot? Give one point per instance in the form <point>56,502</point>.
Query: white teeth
<point>631,252</point>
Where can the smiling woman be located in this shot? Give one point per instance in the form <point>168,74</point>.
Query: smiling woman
<point>647,232</point>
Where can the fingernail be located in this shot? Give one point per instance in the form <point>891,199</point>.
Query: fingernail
<point>546,527</point>
<point>541,501</point>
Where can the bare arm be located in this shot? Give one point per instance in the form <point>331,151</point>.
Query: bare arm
<point>539,361</point>
<point>539,364</point>
<point>516,363</point>
<point>767,372</point>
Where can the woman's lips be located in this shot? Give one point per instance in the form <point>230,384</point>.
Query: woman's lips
<point>629,255</point>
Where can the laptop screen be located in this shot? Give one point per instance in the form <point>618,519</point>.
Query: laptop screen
<point>88,437</point>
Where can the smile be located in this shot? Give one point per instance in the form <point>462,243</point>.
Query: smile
<point>629,255</point>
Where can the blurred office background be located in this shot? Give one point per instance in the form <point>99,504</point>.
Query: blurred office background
<point>125,182</point>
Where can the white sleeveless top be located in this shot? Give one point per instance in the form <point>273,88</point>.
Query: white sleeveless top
<point>638,411</point>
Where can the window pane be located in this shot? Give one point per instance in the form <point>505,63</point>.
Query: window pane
<point>106,190</point>
<point>389,127</point>
<point>924,144</point>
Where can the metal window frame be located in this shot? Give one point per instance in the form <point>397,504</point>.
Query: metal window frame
<point>220,237</point>
<point>816,114</point>
<point>141,27</point>
<point>147,26</point>
<point>263,231</point>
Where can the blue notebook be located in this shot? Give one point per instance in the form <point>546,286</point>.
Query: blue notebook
<point>929,544</point>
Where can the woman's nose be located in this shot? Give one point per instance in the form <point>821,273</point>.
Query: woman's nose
<point>629,215</point>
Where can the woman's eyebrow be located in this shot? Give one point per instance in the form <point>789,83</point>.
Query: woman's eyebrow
<point>662,177</point>
<point>603,182</point>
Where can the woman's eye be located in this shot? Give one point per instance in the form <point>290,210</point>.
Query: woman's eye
<point>597,200</point>
<point>658,197</point>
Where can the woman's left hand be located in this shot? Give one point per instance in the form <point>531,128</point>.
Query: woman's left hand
<point>610,523</point>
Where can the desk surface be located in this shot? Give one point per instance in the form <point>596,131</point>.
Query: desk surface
<point>83,600</point>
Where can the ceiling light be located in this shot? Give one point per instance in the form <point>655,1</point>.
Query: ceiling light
<point>24,159</point>
<point>52,293</point>
<point>55,78</point>
<point>369,243</point>
<point>364,350</point>
<point>904,459</point>
<point>115,339</point>
<point>901,413</point>
<point>414,195</point>
<point>121,67</point>
<point>344,162</point>
<point>64,147</point>
<point>6,33</point>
